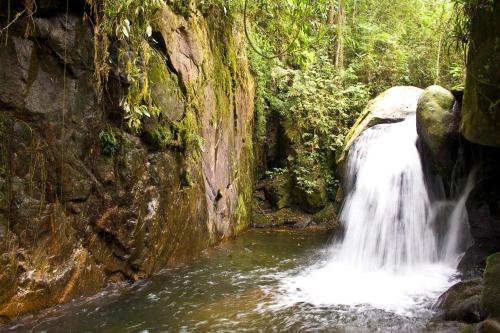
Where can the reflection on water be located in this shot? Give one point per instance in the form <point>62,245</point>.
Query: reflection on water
<point>238,287</point>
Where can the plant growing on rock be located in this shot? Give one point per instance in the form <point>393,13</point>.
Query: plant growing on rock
<point>109,142</point>
<point>129,24</point>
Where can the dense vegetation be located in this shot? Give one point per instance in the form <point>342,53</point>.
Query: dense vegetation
<point>339,54</point>
<point>316,64</point>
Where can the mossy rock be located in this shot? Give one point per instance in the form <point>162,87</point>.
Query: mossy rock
<point>490,296</point>
<point>261,220</point>
<point>391,106</point>
<point>468,329</point>
<point>437,127</point>
<point>480,121</point>
<point>327,217</point>
<point>488,326</point>
<point>462,302</point>
<point>165,89</point>
<point>278,191</point>
<point>315,200</point>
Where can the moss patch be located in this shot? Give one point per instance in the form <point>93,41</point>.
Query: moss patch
<point>490,296</point>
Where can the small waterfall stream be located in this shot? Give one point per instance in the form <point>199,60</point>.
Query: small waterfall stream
<point>391,256</point>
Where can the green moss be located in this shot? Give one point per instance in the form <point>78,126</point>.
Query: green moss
<point>241,215</point>
<point>162,136</point>
<point>480,118</point>
<point>490,296</point>
<point>180,7</point>
<point>326,216</point>
<point>165,89</point>
<point>467,329</point>
<point>188,136</point>
<point>187,178</point>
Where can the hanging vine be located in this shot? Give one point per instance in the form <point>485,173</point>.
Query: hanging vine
<point>128,24</point>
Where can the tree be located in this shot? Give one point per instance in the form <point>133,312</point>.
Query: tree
<point>339,54</point>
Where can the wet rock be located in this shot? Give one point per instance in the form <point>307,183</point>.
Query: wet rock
<point>484,220</point>
<point>489,326</point>
<point>393,105</point>
<point>104,169</point>
<point>462,302</point>
<point>437,127</point>
<point>490,296</point>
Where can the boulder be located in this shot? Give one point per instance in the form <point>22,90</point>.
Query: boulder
<point>437,127</point>
<point>490,296</point>
<point>488,326</point>
<point>315,201</point>
<point>277,192</point>
<point>462,302</point>
<point>480,121</point>
<point>392,106</point>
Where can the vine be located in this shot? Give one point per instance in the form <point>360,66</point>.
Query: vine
<point>129,24</point>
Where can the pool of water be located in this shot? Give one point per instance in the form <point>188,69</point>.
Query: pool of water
<point>245,285</point>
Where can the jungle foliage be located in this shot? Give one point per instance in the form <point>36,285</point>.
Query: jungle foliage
<point>343,52</point>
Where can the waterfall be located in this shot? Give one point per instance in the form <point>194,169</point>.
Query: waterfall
<point>391,256</point>
<point>386,211</point>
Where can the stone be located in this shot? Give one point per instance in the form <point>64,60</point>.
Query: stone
<point>15,62</point>
<point>75,185</point>
<point>490,296</point>
<point>184,50</point>
<point>488,326</point>
<point>165,90</point>
<point>277,192</point>
<point>314,201</point>
<point>437,127</point>
<point>393,105</point>
<point>480,121</point>
<point>484,219</point>
<point>462,302</point>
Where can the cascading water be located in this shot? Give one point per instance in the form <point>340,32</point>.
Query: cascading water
<point>390,257</point>
<point>385,213</point>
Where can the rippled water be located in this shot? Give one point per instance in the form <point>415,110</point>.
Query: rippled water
<point>238,287</point>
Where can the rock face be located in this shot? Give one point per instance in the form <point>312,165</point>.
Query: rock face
<point>392,106</point>
<point>484,219</point>
<point>75,217</point>
<point>480,122</point>
<point>437,127</point>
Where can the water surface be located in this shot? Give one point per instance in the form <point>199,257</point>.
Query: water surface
<point>241,286</point>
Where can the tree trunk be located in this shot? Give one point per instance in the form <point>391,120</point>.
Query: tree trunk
<point>339,54</point>
<point>331,13</point>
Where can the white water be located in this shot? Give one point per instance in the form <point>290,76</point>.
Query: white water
<point>389,257</point>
